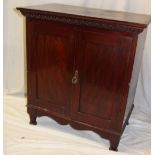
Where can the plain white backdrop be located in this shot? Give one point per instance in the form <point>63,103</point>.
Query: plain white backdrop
<point>14,47</point>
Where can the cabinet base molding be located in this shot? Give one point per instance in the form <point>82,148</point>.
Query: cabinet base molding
<point>113,137</point>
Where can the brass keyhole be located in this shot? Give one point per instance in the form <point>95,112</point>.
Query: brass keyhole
<point>75,77</point>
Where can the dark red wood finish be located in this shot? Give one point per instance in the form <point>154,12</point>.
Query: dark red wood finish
<point>51,63</point>
<point>79,68</point>
<point>102,76</point>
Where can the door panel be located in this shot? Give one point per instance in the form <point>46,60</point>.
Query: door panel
<point>52,69</point>
<point>101,61</point>
<point>53,65</point>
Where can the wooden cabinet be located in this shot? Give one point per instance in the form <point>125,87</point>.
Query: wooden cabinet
<point>82,66</point>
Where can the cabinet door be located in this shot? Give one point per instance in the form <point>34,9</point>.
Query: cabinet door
<point>50,65</point>
<point>101,65</point>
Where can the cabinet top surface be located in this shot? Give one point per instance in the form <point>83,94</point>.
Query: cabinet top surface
<point>126,17</point>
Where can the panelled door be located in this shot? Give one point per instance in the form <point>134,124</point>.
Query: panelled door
<point>101,64</point>
<point>51,62</point>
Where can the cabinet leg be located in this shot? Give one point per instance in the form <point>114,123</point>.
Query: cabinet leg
<point>33,119</point>
<point>127,123</point>
<point>114,144</point>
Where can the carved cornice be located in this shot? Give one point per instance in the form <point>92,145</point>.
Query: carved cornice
<point>84,22</point>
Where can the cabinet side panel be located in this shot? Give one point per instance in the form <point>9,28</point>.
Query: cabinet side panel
<point>135,71</point>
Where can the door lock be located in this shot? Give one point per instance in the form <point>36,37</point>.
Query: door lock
<point>75,77</point>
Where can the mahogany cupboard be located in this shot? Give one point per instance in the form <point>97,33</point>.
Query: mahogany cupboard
<point>83,65</point>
